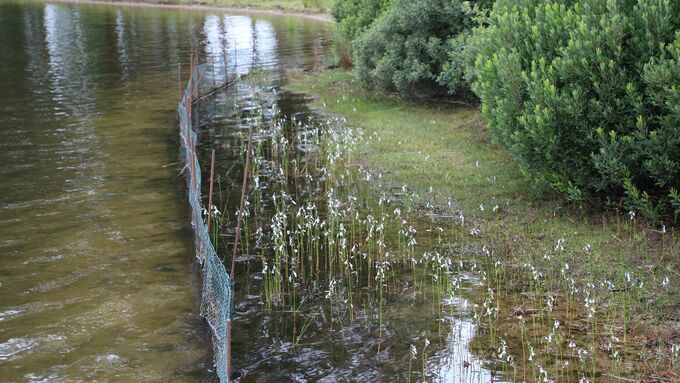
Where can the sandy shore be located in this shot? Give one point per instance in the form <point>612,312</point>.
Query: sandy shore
<point>321,17</point>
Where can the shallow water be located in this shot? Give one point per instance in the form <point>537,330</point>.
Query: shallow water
<point>95,248</point>
<point>312,335</point>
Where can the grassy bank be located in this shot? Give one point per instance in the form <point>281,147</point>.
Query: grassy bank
<point>294,6</point>
<point>446,148</point>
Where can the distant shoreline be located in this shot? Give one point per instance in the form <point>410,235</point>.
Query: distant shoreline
<point>320,17</point>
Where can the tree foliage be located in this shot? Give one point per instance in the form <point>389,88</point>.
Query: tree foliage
<point>586,94</point>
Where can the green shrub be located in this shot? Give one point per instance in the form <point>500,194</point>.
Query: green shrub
<point>586,94</point>
<point>352,18</point>
<point>355,16</point>
<point>406,47</point>
<point>460,60</point>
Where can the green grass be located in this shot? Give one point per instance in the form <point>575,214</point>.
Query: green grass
<point>448,148</point>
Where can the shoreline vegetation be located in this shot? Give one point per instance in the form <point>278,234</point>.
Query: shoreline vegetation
<point>445,152</point>
<point>447,147</point>
<point>317,10</point>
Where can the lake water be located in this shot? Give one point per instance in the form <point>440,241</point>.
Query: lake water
<point>96,278</point>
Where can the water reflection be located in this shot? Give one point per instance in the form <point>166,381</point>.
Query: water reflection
<point>265,45</point>
<point>121,44</point>
<point>68,61</point>
<point>240,44</point>
<point>240,31</point>
<point>455,363</point>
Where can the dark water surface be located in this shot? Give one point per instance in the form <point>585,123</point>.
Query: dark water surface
<point>95,248</point>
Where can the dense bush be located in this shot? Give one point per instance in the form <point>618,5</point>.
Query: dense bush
<point>406,47</point>
<point>355,16</point>
<point>460,60</point>
<point>352,18</point>
<point>586,94</point>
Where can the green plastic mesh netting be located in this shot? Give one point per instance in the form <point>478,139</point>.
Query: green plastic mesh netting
<point>217,290</point>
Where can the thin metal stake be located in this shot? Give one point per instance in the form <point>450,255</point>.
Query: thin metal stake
<point>193,163</point>
<point>212,173</point>
<point>243,198</point>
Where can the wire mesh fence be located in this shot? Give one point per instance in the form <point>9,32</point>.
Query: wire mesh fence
<point>217,290</point>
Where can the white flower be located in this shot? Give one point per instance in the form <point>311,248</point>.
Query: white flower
<point>215,211</point>
<point>564,269</point>
<point>502,350</point>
